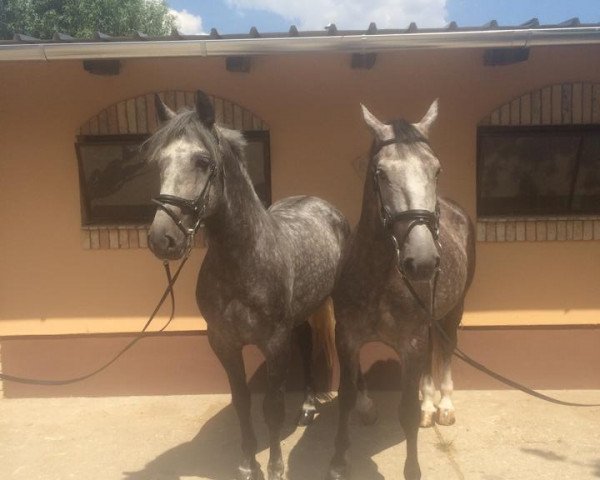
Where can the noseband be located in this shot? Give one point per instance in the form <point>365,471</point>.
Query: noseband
<point>411,218</point>
<point>196,208</point>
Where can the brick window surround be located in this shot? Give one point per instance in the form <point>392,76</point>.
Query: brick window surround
<point>559,104</point>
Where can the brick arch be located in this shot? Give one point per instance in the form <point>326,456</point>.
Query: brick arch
<point>558,104</point>
<point>137,114</point>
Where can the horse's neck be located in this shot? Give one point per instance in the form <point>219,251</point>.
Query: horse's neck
<point>372,244</point>
<point>241,217</point>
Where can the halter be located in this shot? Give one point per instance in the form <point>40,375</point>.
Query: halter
<point>412,217</point>
<point>196,207</point>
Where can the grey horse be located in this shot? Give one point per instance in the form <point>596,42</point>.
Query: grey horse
<point>406,239</point>
<point>265,271</point>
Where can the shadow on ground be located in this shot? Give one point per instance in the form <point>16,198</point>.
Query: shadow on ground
<point>214,452</point>
<point>555,457</point>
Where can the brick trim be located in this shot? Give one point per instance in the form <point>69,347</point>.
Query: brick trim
<point>541,229</point>
<point>122,237</point>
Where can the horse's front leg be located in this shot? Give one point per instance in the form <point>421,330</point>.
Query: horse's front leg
<point>231,357</point>
<point>413,363</point>
<point>277,355</point>
<point>447,344</point>
<point>348,355</point>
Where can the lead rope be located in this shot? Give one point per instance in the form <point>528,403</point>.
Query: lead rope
<point>143,333</point>
<point>468,359</point>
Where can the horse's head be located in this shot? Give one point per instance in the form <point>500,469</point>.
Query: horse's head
<point>188,151</point>
<point>405,171</point>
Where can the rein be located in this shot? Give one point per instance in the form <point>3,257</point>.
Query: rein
<point>196,208</point>
<point>432,221</point>
<point>142,334</point>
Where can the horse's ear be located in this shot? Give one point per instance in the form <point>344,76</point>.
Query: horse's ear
<point>427,121</point>
<point>205,109</point>
<point>377,127</point>
<point>163,112</point>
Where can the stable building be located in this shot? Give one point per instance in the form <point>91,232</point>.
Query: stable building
<point>518,136</point>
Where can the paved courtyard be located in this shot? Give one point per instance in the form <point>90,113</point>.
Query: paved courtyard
<point>499,435</point>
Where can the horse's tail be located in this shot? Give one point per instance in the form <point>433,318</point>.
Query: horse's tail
<point>323,332</point>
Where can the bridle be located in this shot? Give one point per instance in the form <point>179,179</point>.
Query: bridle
<point>412,218</point>
<point>196,207</point>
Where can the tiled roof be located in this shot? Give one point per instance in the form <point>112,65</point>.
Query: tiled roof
<point>330,30</point>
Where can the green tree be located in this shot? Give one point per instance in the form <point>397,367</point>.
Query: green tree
<point>81,18</point>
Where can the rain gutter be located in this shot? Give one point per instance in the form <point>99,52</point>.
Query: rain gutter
<point>286,45</point>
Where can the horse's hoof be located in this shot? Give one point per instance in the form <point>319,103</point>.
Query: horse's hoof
<point>426,419</point>
<point>306,417</point>
<point>370,416</point>
<point>254,473</point>
<point>275,472</point>
<point>445,417</point>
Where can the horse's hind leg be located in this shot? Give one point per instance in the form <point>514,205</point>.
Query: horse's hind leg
<point>446,344</point>
<point>349,367</point>
<point>277,356</point>
<point>303,335</point>
<point>233,362</point>
<point>364,405</point>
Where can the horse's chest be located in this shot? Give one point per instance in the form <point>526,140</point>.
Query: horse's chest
<point>246,310</point>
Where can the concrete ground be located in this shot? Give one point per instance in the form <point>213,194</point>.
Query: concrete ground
<point>499,435</point>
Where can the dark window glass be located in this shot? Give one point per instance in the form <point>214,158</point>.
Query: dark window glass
<point>117,185</point>
<point>525,171</point>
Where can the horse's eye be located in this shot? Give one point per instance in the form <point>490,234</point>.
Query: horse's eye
<point>201,160</point>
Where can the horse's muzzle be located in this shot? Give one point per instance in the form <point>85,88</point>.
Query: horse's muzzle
<point>166,243</point>
<point>420,257</point>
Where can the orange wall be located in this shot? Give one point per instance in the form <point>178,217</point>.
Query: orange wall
<point>49,284</point>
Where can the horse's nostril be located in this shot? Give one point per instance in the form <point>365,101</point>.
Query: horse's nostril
<point>409,265</point>
<point>170,241</point>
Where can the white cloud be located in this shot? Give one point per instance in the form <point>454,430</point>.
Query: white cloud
<point>187,23</point>
<point>348,14</point>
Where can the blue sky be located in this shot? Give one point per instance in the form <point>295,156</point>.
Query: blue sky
<point>236,16</point>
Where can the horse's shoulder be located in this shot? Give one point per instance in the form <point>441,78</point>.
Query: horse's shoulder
<point>454,213</point>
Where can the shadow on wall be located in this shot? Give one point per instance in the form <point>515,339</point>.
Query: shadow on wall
<point>214,452</point>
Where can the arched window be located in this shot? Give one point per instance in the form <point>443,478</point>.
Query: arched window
<point>538,160</point>
<point>116,183</point>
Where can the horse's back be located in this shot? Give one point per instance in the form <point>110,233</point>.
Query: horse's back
<point>303,211</point>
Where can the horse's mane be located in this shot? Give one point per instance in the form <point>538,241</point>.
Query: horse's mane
<point>407,133</point>
<point>187,124</point>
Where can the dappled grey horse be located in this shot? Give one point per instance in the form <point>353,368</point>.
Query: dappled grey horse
<point>265,271</point>
<point>407,239</point>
